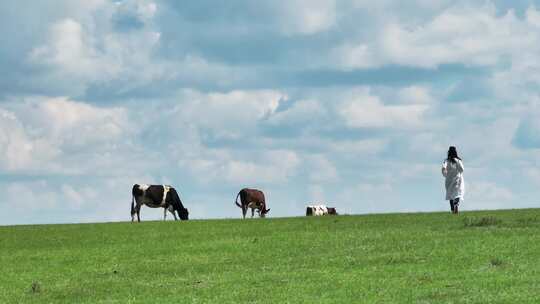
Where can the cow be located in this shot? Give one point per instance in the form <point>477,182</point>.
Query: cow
<point>157,196</point>
<point>332,211</point>
<point>319,210</point>
<point>254,199</point>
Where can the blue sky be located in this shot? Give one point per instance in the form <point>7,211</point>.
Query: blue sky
<point>352,103</point>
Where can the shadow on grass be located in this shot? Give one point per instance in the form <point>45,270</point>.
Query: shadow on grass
<point>527,222</point>
<point>490,221</point>
<point>496,262</point>
<point>481,222</point>
<point>35,287</point>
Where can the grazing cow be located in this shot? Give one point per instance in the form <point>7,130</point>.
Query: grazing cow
<point>254,199</point>
<point>157,196</point>
<point>319,210</point>
<point>332,211</point>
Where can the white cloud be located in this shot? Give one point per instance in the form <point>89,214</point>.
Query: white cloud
<point>482,195</point>
<point>143,10</point>
<point>18,149</point>
<point>307,17</point>
<point>367,197</point>
<point>40,135</point>
<point>359,147</point>
<point>415,95</point>
<point>230,114</point>
<point>30,196</point>
<point>368,111</point>
<point>15,146</point>
<point>302,111</point>
<point>275,166</point>
<point>71,50</point>
<point>390,5</point>
<point>86,49</point>
<point>321,169</point>
<point>467,35</point>
<point>349,56</point>
<point>316,194</point>
<point>69,123</point>
<point>533,174</point>
<point>533,16</point>
<point>527,134</point>
<point>77,198</point>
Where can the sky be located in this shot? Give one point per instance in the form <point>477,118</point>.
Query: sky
<point>349,103</point>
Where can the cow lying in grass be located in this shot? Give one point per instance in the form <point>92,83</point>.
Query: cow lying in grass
<point>157,196</point>
<point>254,199</point>
<point>320,210</point>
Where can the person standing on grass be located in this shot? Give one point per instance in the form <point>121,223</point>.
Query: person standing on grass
<point>452,170</point>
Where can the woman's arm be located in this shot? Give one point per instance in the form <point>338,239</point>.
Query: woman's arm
<point>459,165</point>
<point>444,171</point>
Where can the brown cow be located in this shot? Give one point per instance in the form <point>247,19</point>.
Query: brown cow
<point>254,199</point>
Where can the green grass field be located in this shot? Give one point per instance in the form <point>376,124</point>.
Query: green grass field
<point>475,257</point>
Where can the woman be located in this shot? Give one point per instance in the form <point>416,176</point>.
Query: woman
<point>452,170</point>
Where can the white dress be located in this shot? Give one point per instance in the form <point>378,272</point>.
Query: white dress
<point>454,183</point>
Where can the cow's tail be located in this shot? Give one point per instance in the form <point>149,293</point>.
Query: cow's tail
<point>132,205</point>
<point>236,200</point>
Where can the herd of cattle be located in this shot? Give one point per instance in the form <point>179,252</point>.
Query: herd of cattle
<point>166,197</point>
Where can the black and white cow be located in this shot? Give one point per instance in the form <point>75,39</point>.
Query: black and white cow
<point>157,196</point>
<point>319,210</point>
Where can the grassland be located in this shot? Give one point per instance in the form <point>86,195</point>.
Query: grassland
<point>475,257</point>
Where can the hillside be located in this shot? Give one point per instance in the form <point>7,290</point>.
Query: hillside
<point>476,257</point>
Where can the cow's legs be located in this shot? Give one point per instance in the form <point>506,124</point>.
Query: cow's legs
<point>164,214</point>
<point>252,212</point>
<point>135,211</point>
<point>171,210</point>
<point>244,211</point>
<point>139,214</point>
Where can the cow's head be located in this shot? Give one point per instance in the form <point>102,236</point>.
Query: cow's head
<point>183,213</point>
<point>264,212</point>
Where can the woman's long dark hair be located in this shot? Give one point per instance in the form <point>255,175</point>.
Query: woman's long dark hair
<point>452,153</point>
